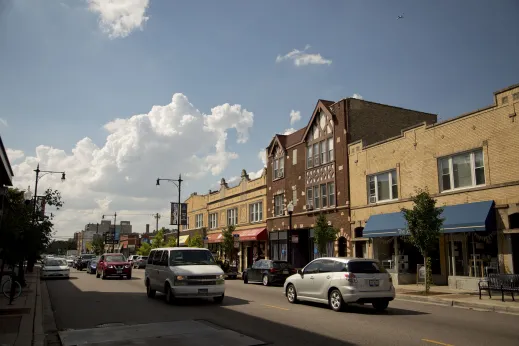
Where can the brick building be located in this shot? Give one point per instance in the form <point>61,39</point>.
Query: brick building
<point>470,164</point>
<point>310,169</point>
<point>242,206</point>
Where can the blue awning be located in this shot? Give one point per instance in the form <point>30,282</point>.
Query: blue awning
<point>469,217</point>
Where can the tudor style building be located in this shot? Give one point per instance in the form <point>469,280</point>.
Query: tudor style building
<point>309,168</point>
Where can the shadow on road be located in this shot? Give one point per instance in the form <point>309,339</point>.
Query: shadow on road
<point>77,309</point>
<point>368,309</point>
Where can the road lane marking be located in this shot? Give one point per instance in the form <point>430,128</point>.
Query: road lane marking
<point>275,307</point>
<point>436,342</point>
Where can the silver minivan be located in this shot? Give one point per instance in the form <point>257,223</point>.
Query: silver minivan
<point>184,272</point>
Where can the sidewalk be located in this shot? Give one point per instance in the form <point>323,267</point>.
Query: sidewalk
<point>21,323</point>
<point>457,298</point>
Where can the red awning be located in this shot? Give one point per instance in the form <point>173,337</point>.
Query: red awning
<point>214,238</point>
<point>252,234</point>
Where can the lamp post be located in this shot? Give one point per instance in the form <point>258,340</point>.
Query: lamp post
<point>290,209</point>
<point>38,177</point>
<point>178,184</point>
<point>113,233</point>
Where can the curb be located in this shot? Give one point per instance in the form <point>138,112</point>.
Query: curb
<point>459,304</point>
<point>38,338</point>
<point>49,322</point>
<point>26,328</point>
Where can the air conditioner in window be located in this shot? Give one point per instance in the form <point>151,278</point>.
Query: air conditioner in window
<point>281,173</point>
<point>309,207</point>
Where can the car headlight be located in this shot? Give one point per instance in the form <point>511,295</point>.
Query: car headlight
<point>220,277</point>
<point>127,266</point>
<point>180,281</point>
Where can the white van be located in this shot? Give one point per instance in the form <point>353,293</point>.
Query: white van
<point>184,272</point>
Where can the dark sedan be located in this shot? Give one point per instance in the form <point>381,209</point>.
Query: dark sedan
<point>83,260</point>
<point>268,272</point>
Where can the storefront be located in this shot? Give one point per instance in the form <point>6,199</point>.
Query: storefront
<point>253,246</point>
<point>467,249</point>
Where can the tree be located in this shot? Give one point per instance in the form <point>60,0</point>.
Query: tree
<point>158,239</point>
<point>98,245</point>
<point>172,241</point>
<point>195,241</point>
<point>424,226</point>
<point>144,249</point>
<point>228,243</point>
<point>323,234</point>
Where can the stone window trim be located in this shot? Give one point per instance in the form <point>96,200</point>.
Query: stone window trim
<point>451,179</point>
<point>376,190</point>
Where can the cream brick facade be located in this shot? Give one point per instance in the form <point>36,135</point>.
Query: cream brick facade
<point>414,155</point>
<point>247,192</point>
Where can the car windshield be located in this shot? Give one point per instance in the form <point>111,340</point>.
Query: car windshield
<point>55,262</point>
<point>115,258</point>
<point>365,267</point>
<point>190,257</point>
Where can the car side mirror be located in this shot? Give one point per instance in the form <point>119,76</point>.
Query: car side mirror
<point>300,272</point>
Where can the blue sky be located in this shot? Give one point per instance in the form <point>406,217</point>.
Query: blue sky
<point>63,78</point>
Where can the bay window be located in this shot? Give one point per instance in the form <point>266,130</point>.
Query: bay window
<point>462,170</point>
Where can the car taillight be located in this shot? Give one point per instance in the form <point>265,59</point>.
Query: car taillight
<point>272,270</point>
<point>350,277</point>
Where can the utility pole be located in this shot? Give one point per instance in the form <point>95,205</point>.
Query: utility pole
<point>157,217</point>
<point>178,184</point>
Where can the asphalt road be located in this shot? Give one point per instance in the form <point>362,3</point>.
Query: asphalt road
<point>263,313</point>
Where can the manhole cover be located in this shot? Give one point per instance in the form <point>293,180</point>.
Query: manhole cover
<point>116,324</point>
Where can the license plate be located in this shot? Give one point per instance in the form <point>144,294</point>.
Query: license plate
<point>119,271</point>
<point>285,271</point>
<point>203,291</point>
<point>373,283</point>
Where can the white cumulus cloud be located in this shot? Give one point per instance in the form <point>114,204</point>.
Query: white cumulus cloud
<point>295,116</point>
<point>302,58</point>
<point>120,175</point>
<point>118,18</point>
<point>357,96</point>
<point>289,131</point>
<point>14,154</point>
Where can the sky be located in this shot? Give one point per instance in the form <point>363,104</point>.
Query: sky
<point>119,92</point>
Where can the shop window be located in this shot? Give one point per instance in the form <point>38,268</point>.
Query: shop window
<point>232,217</point>
<point>213,220</point>
<point>383,187</point>
<point>462,171</point>
<point>278,205</point>
<point>256,212</point>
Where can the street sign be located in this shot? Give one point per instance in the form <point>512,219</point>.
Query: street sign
<point>174,214</point>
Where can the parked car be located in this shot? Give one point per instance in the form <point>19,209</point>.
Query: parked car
<point>92,265</point>
<point>268,272</point>
<point>113,264</point>
<point>132,259</point>
<point>140,262</point>
<point>82,261</point>
<point>339,281</point>
<point>70,261</point>
<point>55,268</point>
<point>184,272</point>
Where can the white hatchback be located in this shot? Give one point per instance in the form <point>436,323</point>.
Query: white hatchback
<point>338,281</point>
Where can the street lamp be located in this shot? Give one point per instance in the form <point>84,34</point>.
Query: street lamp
<point>115,225</point>
<point>290,209</point>
<point>177,183</point>
<point>38,177</point>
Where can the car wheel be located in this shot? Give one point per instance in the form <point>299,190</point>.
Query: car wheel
<point>335,300</point>
<point>291,294</point>
<point>97,274</point>
<point>103,276</point>
<point>245,279</point>
<point>381,305</point>
<point>149,292</point>
<point>266,280</point>
<point>219,300</point>
<point>170,297</point>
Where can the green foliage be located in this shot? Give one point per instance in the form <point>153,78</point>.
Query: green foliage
<point>158,239</point>
<point>323,234</point>
<point>424,226</point>
<point>196,241</point>
<point>172,242</point>
<point>56,247</point>
<point>228,242</point>
<point>144,249</point>
<point>98,245</point>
